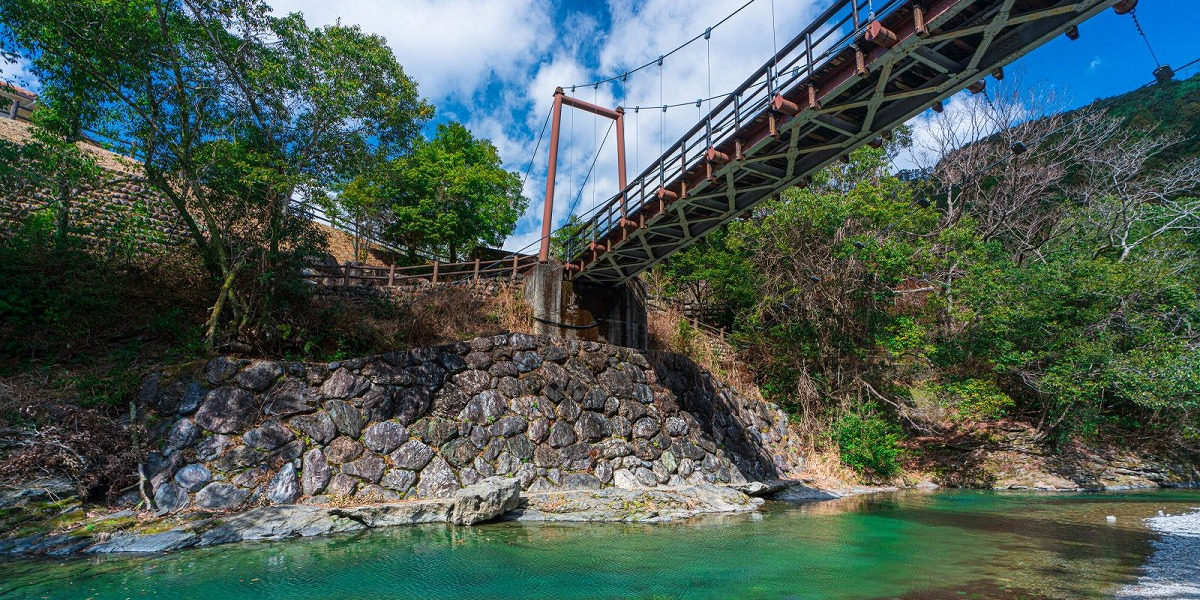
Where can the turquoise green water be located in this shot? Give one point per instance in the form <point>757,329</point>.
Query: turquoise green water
<point>909,545</point>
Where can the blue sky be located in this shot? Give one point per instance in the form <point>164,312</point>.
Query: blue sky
<point>493,65</point>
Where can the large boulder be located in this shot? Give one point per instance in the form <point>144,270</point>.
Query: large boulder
<point>291,397</point>
<point>385,437</point>
<point>437,480</point>
<point>193,477</point>
<point>284,487</point>
<point>316,472</point>
<point>227,410</point>
<point>221,496</point>
<point>319,427</point>
<point>259,376</point>
<point>269,435</point>
<point>485,500</point>
<point>413,455</point>
<point>345,417</point>
<point>169,498</point>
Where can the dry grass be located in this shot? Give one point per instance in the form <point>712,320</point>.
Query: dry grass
<point>670,331</point>
<point>824,469</point>
<point>512,311</point>
<point>43,436</point>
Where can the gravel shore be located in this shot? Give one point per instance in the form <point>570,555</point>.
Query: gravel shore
<point>1174,570</point>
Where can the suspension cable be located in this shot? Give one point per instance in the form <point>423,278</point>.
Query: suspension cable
<point>595,136</point>
<point>708,51</point>
<point>533,156</point>
<point>1138,25</point>
<point>662,116</point>
<point>626,74</point>
<point>575,203</point>
<point>775,44</point>
<point>570,159</point>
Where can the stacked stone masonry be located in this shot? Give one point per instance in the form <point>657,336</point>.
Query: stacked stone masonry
<point>126,209</point>
<point>119,208</point>
<point>421,424</point>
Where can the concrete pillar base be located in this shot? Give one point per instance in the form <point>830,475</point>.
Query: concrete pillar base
<point>589,312</point>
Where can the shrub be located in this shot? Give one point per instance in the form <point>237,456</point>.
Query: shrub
<point>974,399</point>
<point>868,443</point>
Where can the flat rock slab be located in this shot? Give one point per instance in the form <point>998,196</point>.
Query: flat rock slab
<point>640,506</point>
<point>401,513</point>
<point>493,497</point>
<point>156,542</point>
<point>276,523</point>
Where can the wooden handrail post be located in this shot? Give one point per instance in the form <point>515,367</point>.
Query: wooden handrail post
<point>346,274</point>
<point>435,272</point>
<point>392,275</point>
<point>514,273</point>
<point>476,268</point>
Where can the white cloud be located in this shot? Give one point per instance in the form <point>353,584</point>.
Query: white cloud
<point>18,73</point>
<point>1094,66</point>
<point>449,46</point>
<point>500,61</point>
<point>639,34</point>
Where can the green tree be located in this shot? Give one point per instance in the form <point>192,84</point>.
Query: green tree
<point>234,113</point>
<point>452,194</point>
<point>565,239</point>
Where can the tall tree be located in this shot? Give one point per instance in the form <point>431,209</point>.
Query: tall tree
<point>452,194</point>
<point>234,113</point>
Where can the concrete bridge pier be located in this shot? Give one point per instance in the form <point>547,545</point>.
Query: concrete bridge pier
<point>614,315</point>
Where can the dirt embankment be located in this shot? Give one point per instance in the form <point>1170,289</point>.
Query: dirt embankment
<point>1011,455</point>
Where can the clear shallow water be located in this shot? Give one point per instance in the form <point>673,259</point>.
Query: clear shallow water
<point>941,545</point>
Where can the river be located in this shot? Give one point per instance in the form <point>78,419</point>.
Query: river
<point>939,545</point>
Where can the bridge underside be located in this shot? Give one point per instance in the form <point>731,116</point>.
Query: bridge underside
<point>912,59</point>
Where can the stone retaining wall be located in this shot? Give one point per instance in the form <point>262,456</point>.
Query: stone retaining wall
<point>556,414</point>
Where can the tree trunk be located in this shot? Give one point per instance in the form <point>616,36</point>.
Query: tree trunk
<point>214,320</point>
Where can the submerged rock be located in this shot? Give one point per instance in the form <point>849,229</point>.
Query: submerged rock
<point>278,522</point>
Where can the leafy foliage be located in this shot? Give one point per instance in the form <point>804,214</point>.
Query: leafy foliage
<point>233,112</point>
<point>869,443</point>
<point>1060,288</point>
<point>451,194</point>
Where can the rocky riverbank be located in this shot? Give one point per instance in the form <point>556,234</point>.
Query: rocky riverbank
<point>490,499</point>
<point>558,415</point>
<point>1010,455</point>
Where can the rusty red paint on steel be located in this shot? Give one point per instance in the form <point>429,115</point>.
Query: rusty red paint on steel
<point>589,107</point>
<point>755,132</point>
<point>548,208</point>
<point>902,31</point>
<point>618,115</point>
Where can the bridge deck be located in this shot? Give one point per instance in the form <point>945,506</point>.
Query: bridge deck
<point>840,84</point>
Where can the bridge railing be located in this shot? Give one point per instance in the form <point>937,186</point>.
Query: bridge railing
<point>830,34</point>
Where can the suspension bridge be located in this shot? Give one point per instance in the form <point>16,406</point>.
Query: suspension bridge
<point>846,80</point>
<point>856,72</point>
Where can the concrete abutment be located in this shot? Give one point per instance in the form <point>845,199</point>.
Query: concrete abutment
<point>576,310</point>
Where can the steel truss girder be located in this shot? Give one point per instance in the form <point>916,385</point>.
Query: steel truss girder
<point>994,36</point>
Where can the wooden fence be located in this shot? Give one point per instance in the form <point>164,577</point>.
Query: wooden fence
<point>690,312</point>
<point>391,276</point>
